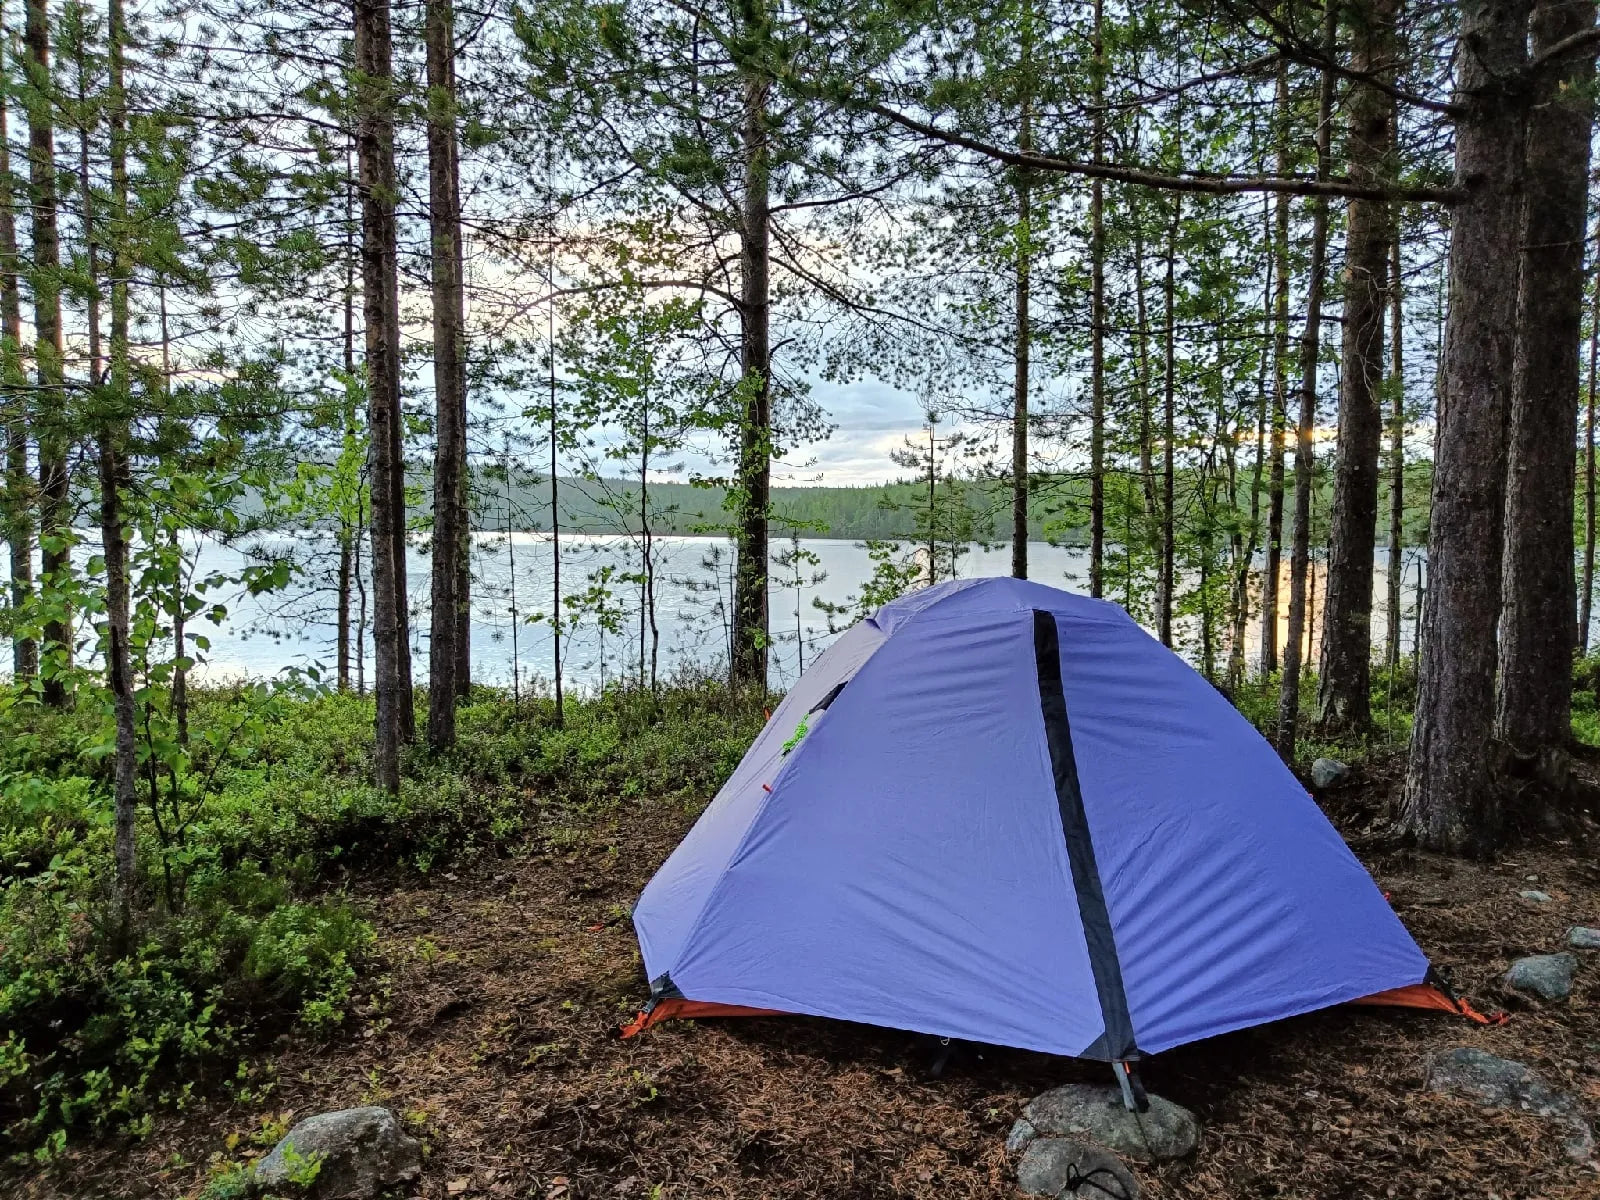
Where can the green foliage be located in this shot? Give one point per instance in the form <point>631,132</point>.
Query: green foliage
<point>243,933</point>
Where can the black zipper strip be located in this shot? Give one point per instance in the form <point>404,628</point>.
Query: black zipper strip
<point>1117,1042</point>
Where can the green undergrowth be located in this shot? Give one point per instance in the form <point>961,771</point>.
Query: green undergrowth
<point>243,927</point>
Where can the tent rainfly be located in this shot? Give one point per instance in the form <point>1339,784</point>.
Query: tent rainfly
<point>999,812</point>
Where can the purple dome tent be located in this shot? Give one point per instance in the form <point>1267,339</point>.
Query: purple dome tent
<point>1000,812</point>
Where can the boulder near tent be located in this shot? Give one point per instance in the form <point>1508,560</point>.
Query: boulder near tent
<point>999,812</point>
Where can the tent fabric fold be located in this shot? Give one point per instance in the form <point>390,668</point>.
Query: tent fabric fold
<point>1000,812</point>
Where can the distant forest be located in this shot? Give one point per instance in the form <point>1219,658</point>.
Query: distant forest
<point>1058,511</point>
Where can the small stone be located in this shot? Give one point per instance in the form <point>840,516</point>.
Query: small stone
<point>1325,772</point>
<point>1021,1134</point>
<point>1548,976</point>
<point>352,1154</point>
<point>1054,1166</point>
<point>1506,1084</point>
<point>1536,896</point>
<point>1166,1131</point>
<point>1581,937</point>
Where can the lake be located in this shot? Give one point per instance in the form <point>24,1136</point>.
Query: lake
<point>512,582</point>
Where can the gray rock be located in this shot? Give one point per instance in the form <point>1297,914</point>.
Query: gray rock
<point>1581,937</point>
<point>1055,1166</point>
<point>1325,772</point>
<point>357,1152</point>
<point>1021,1134</point>
<point>1536,896</point>
<point>1502,1083</point>
<point>1090,1111</point>
<point>1548,976</point>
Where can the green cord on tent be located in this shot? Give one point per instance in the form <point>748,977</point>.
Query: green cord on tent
<point>799,732</point>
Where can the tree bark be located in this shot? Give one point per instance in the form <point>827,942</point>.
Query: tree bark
<point>1022,347</point>
<point>1305,447</point>
<point>117,402</point>
<point>1166,584</point>
<point>449,377</point>
<point>1397,457</point>
<point>1280,382</point>
<point>1586,598</point>
<point>754,482</point>
<point>1097,319</point>
<point>375,158</point>
<point>1344,680</point>
<point>1448,802</point>
<point>19,484</point>
<point>1533,709</point>
<point>55,533</point>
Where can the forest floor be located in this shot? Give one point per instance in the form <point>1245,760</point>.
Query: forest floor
<point>491,1032</point>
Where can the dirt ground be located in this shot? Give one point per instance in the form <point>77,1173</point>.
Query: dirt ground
<point>491,1033</point>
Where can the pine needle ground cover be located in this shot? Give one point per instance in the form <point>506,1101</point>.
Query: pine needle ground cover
<point>501,960</point>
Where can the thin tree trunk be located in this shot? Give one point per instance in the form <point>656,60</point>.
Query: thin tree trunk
<point>1344,686</point>
<point>1587,598</point>
<point>375,155</point>
<point>449,515</point>
<point>1304,457</point>
<point>1245,546</point>
<point>349,539</point>
<point>1397,456</point>
<point>1280,380</point>
<point>55,534</point>
<point>1022,347</point>
<point>117,399</point>
<point>749,666</point>
<point>555,506</point>
<point>1449,803</point>
<point>1533,710</point>
<point>1169,433</point>
<point>1097,319</point>
<point>13,377</point>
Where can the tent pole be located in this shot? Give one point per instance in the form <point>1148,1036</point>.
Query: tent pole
<point>1133,1094</point>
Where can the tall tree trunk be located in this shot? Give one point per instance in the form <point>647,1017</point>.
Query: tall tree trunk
<point>1533,709</point>
<point>1344,690</point>
<point>1397,456</point>
<point>349,537</point>
<point>375,157</point>
<point>1449,803</point>
<point>1022,347</point>
<point>754,482</point>
<point>1304,453</point>
<point>1245,546</point>
<point>118,402</point>
<point>449,379</point>
<point>1097,319</point>
<point>13,378</point>
<point>1586,598</point>
<point>55,533</point>
<point>1167,583</point>
<point>1280,379</point>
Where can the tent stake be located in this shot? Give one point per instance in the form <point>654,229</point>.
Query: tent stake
<point>1133,1094</point>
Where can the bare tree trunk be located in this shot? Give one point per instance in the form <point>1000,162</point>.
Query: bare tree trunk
<point>117,399</point>
<point>1449,803</point>
<point>1245,546</point>
<point>1397,456</point>
<point>449,379</point>
<point>754,483</point>
<point>555,505</point>
<point>1344,683</point>
<point>13,378</point>
<point>1304,455</point>
<point>55,534</point>
<point>349,538</point>
<point>1533,711</point>
<point>1022,348</point>
<point>1097,319</point>
<point>1169,433</point>
<point>375,156</point>
<point>1586,599</point>
<point>1280,380</point>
